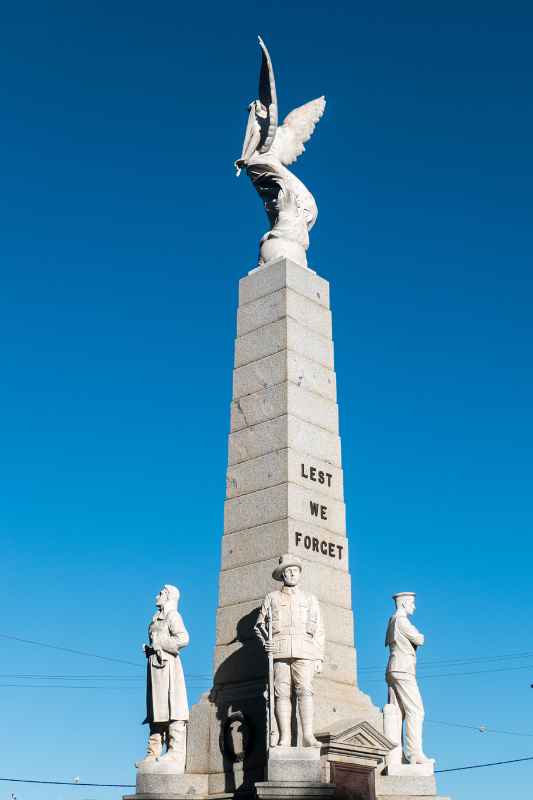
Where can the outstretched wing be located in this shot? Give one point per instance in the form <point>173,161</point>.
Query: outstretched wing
<point>298,127</point>
<point>267,96</point>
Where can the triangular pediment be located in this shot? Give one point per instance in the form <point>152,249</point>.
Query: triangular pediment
<point>356,733</point>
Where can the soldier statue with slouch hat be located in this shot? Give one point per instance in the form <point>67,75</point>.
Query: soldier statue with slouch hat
<point>290,628</point>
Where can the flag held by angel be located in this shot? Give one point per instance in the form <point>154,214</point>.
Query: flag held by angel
<point>268,149</point>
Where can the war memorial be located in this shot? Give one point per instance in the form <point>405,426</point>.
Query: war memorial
<point>285,717</point>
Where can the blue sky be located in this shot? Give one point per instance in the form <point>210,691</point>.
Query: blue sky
<point>124,234</point>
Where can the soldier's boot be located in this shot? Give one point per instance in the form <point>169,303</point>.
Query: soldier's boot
<point>153,750</point>
<point>283,718</point>
<point>306,718</point>
<point>176,747</point>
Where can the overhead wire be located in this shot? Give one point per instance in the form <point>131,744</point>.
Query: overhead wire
<point>479,728</point>
<point>132,785</point>
<point>422,676</point>
<point>422,667</point>
<point>458,661</point>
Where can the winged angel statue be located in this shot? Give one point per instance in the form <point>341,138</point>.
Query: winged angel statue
<point>267,150</point>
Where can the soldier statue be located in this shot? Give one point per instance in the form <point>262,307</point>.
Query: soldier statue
<point>167,710</point>
<point>405,701</point>
<point>290,628</point>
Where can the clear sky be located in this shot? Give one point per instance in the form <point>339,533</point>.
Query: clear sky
<point>124,234</point>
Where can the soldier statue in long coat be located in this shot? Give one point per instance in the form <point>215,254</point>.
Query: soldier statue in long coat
<point>167,710</point>
<point>296,642</point>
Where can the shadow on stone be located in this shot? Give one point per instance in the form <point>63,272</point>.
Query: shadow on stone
<point>239,694</point>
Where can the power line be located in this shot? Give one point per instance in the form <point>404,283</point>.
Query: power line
<point>459,674</point>
<point>478,728</point>
<point>458,661</point>
<point>70,650</point>
<point>71,783</point>
<point>491,764</point>
<point>70,686</point>
<point>132,786</point>
<point>455,662</point>
<point>16,676</point>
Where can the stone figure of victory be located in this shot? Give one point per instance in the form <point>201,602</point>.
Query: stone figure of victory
<point>267,151</point>
<point>405,701</point>
<point>167,710</point>
<point>290,628</point>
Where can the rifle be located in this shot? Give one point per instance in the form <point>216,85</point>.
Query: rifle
<point>271,734</point>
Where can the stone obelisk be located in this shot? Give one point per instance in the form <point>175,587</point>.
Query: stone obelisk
<point>284,494</point>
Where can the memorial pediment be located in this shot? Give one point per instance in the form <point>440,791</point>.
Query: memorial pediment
<point>356,738</point>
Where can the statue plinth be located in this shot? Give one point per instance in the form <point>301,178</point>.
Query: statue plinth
<point>160,783</point>
<point>294,773</point>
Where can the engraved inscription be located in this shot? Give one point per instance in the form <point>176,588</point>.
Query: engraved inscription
<point>316,545</point>
<point>316,475</point>
<point>318,510</point>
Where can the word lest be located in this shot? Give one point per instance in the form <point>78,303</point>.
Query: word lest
<point>319,545</point>
<point>317,475</point>
<point>316,509</point>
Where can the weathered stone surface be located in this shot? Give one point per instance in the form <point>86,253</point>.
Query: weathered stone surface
<point>284,303</point>
<point>257,508</point>
<point>253,581</point>
<point>257,473</point>
<point>313,473</point>
<point>283,466</point>
<point>294,764</point>
<point>317,442</point>
<point>293,790</point>
<point>416,770</point>
<point>411,786</point>
<point>410,797</point>
<point>284,366</point>
<point>282,432</point>
<point>313,507</point>
<point>198,737</point>
<point>161,785</point>
<point>286,500</point>
<point>338,622</point>
<point>254,544</point>
<point>283,398</point>
<point>281,274</point>
<point>284,334</point>
<point>286,535</point>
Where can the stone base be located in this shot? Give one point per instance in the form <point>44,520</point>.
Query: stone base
<point>294,790</point>
<point>410,797</point>
<point>405,786</point>
<point>294,764</point>
<point>414,770</point>
<point>161,785</point>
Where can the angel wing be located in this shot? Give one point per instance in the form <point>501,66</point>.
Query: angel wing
<point>297,128</point>
<point>267,96</point>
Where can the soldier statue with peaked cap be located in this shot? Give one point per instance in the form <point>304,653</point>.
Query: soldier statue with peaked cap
<point>403,639</point>
<point>296,643</point>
